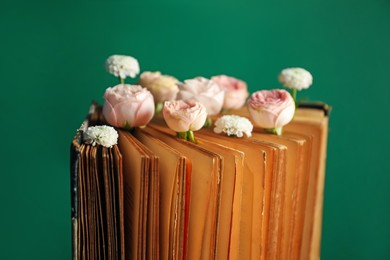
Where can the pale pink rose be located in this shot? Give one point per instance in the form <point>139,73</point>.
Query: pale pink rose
<point>236,91</point>
<point>202,90</point>
<point>183,116</point>
<point>128,105</point>
<point>162,87</point>
<point>271,108</point>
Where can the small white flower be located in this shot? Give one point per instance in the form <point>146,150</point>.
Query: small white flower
<point>296,78</point>
<point>233,125</point>
<point>122,66</point>
<point>104,135</point>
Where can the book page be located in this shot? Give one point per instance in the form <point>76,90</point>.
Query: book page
<point>252,196</point>
<point>203,198</point>
<point>135,204</point>
<point>294,170</point>
<point>172,176</point>
<point>313,122</point>
<point>231,184</point>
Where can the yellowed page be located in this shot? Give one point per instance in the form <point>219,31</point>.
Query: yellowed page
<point>302,182</point>
<point>134,160</point>
<point>152,225</point>
<point>252,196</point>
<point>267,237</point>
<point>232,165</point>
<point>171,176</point>
<point>313,122</point>
<point>119,174</point>
<point>294,153</point>
<point>273,200</point>
<point>203,203</point>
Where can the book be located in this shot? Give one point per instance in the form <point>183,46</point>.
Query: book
<point>155,196</point>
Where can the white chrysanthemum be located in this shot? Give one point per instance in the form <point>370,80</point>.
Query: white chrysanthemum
<point>104,135</point>
<point>233,125</point>
<point>296,78</point>
<point>122,66</point>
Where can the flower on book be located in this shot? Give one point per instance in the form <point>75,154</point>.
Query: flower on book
<point>162,87</point>
<point>103,135</point>
<point>122,66</point>
<point>128,106</point>
<point>271,109</point>
<point>233,125</point>
<point>236,91</point>
<point>202,90</point>
<point>184,117</point>
<point>295,79</point>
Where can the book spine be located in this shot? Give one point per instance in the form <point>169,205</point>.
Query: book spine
<point>74,169</point>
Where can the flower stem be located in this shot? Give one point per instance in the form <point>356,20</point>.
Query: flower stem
<point>208,122</point>
<point>188,136</point>
<point>294,96</point>
<point>191,136</point>
<point>128,127</point>
<point>275,131</point>
<point>121,81</point>
<point>158,108</point>
<point>182,135</point>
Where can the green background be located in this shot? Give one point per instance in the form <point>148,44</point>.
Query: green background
<point>52,65</point>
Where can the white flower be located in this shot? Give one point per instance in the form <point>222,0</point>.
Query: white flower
<point>233,125</point>
<point>122,66</point>
<point>296,78</point>
<point>104,135</point>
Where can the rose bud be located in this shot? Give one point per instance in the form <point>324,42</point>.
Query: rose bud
<point>128,106</point>
<point>236,91</point>
<point>205,91</point>
<point>183,116</point>
<point>162,87</point>
<point>271,109</point>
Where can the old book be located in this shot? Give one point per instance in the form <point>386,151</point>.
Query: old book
<point>154,196</point>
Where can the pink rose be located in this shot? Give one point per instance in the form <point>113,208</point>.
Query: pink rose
<point>183,116</point>
<point>236,91</point>
<point>202,90</point>
<point>162,87</point>
<point>271,108</point>
<point>128,105</point>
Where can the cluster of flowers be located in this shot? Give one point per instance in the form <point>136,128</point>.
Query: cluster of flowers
<point>187,106</point>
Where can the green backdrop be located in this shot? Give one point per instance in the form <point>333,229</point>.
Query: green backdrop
<point>52,66</point>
